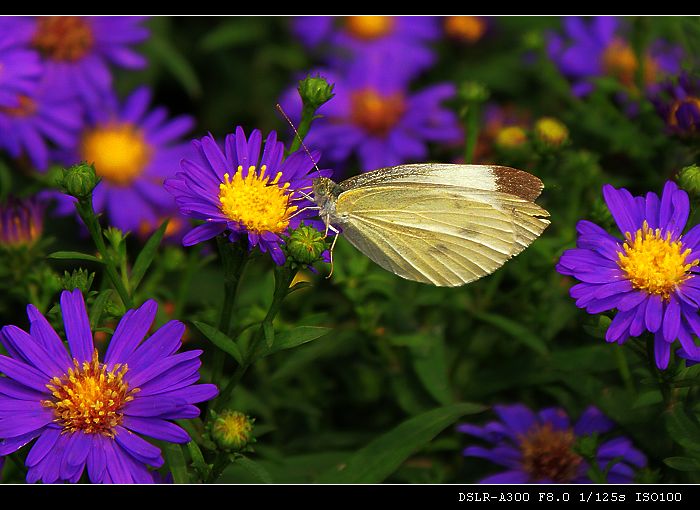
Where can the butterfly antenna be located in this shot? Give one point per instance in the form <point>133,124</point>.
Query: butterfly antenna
<point>296,132</point>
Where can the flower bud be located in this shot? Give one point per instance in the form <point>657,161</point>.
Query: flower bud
<point>79,180</point>
<point>78,279</point>
<point>315,91</point>
<point>306,245</point>
<point>689,180</point>
<point>231,430</point>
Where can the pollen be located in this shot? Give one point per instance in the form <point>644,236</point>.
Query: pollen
<point>63,38</point>
<point>655,263</point>
<point>548,454</point>
<point>255,201</point>
<point>619,61</point>
<point>119,152</point>
<point>90,398</point>
<point>374,113</point>
<point>369,27</point>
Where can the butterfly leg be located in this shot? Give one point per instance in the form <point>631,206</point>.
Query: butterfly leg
<point>309,208</point>
<point>335,238</point>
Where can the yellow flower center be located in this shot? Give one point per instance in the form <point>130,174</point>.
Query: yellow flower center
<point>90,398</point>
<point>673,120</point>
<point>551,131</point>
<point>619,61</point>
<point>653,263</point>
<point>119,152</point>
<point>374,113</point>
<point>510,137</point>
<point>26,107</point>
<point>65,38</point>
<point>547,454</point>
<point>369,27</point>
<point>465,28</point>
<point>255,201</point>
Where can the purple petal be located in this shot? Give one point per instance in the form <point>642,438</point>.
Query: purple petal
<point>157,429</point>
<point>622,207</point>
<point>77,325</point>
<point>592,421</point>
<point>129,333</point>
<point>654,313</point>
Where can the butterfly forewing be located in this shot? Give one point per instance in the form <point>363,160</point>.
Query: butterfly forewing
<point>446,225</point>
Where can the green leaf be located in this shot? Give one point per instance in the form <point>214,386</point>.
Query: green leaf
<point>514,329</point>
<point>5,180</point>
<point>683,429</point>
<point>74,255</point>
<point>145,258</point>
<point>430,364</point>
<point>380,458</point>
<point>232,34</point>
<point>98,307</point>
<point>222,341</point>
<point>163,51</point>
<point>176,462</point>
<point>269,332</point>
<point>198,462</point>
<point>258,472</point>
<point>682,463</point>
<point>295,337</point>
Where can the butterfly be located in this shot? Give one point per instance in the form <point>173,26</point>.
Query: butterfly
<point>440,224</point>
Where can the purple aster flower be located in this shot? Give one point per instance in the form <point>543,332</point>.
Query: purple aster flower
<point>133,150</point>
<point>540,448</point>
<point>77,50</point>
<point>250,195</point>
<point>678,103</point>
<point>598,48</point>
<point>44,117</point>
<point>376,117</point>
<point>89,413</point>
<point>648,275</point>
<point>20,69</point>
<point>21,222</point>
<point>396,37</point>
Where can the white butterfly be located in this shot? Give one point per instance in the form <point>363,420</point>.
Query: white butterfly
<point>440,224</point>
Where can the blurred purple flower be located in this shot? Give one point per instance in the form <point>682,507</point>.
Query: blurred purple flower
<point>40,118</point>
<point>678,103</point>
<point>376,117</point>
<point>78,50</point>
<point>597,48</point>
<point>133,150</point>
<point>253,197</point>
<point>346,38</point>
<point>541,448</point>
<point>20,68</point>
<point>649,276</point>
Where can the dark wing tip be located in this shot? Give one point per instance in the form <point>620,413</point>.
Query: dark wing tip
<point>517,182</point>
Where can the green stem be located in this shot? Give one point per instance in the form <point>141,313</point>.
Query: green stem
<point>471,124</point>
<point>233,258</point>
<point>657,374</point>
<point>283,278</point>
<point>87,213</point>
<point>308,114</point>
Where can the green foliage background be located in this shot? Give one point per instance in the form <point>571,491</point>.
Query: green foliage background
<point>375,395</point>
